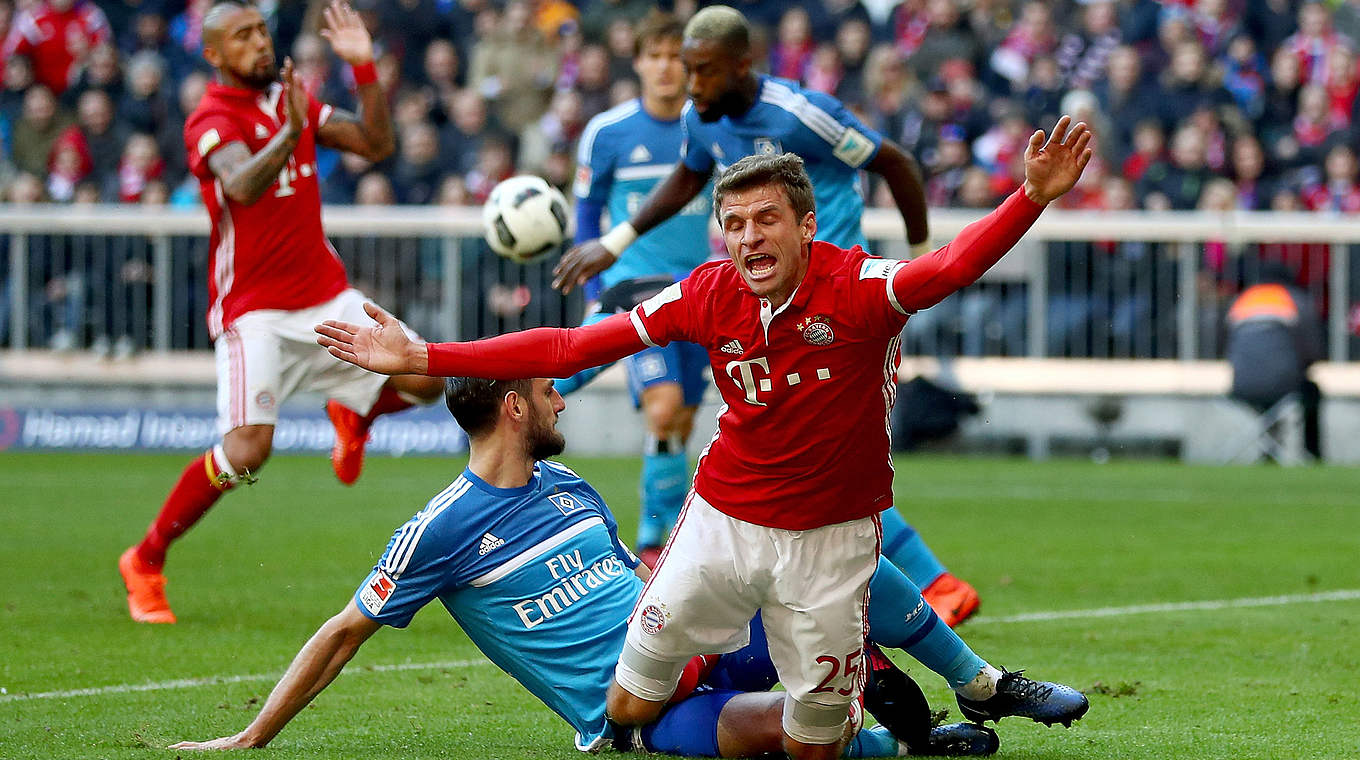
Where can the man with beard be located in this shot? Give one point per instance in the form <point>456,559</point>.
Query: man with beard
<point>526,557</point>
<point>734,113</point>
<point>252,145</point>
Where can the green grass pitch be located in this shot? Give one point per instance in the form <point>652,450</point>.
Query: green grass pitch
<point>1277,679</point>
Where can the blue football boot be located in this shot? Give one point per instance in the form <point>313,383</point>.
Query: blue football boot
<point>1040,701</point>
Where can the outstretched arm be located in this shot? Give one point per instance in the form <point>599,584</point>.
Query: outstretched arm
<point>1050,170</point>
<point>594,256</point>
<point>316,665</point>
<point>899,170</point>
<point>541,352</point>
<point>370,133</point>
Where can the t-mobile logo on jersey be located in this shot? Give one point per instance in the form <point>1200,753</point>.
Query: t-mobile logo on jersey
<point>752,376</point>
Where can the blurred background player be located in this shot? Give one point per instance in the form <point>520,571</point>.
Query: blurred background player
<point>623,154</point>
<point>733,113</point>
<point>525,555</point>
<point>252,145</point>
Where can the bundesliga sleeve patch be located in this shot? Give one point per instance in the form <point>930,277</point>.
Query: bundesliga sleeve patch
<point>853,148</point>
<point>207,141</point>
<point>582,188</point>
<point>377,589</point>
<point>877,269</point>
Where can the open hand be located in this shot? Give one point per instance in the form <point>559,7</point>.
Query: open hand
<point>384,348</point>
<point>580,264</point>
<point>294,98</point>
<point>1052,168</point>
<point>236,741</point>
<point>347,34</point>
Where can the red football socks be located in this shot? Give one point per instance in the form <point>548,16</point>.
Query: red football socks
<point>197,490</point>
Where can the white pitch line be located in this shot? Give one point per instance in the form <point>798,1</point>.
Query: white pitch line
<point>1341,595</point>
<point>189,683</point>
<point>1142,609</point>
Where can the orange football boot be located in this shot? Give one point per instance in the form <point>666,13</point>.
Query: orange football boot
<point>952,599</point>
<point>351,435</point>
<point>145,589</point>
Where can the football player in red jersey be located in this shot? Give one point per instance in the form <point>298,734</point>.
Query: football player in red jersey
<point>783,516</point>
<point>252,145</point>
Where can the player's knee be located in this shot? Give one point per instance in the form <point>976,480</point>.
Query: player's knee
<point>248,447</point>
<point>664,408</point>
<point>627,709</point>
<point>813,730</point>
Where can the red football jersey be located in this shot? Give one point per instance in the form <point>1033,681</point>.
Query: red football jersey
<point>271,254</point>
<point>803,437</point>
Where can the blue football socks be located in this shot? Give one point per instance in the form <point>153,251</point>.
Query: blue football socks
<point>901,619</point>
<point>665,481</point>
<point>904,547</point>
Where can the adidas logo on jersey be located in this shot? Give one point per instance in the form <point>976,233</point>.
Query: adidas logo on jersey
<point>640,154</point>
<point>731,347</point>
<point>489,542</point>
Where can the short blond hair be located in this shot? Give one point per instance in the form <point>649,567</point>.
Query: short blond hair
<point>723,25</point>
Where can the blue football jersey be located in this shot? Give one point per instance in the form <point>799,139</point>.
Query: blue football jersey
<point>786,118</point>
<point>536,576</point>
<point>623,154</point>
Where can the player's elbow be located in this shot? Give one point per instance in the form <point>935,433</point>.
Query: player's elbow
<point>380,150</point>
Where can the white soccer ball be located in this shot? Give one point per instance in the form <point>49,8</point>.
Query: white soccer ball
<point>524,218</point>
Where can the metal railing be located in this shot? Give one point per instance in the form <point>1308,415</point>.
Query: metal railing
<point>122,279</point>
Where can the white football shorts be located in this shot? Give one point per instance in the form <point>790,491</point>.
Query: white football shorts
<point>811,586</point>
<point>269,354</point>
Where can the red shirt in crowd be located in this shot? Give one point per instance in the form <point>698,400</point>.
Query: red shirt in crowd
<point>55,40</point>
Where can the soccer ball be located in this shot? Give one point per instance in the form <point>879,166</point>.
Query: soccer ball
<point>524,218</point>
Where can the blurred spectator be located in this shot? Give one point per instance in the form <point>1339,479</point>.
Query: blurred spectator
<point>1177,184</point>
<point>1125,96</point>
<point>70,163</point>
<point>944,174</point>
<point>619,39</point>
<point>141,163</point>
<point>1043,91</point>
<point>512,66</point>
<point>342,184</point>
<point>374,189</point>
<point>1149,148</point>
<point>146,107</point>
<point>1082,54</point>
<point>592,82</point>
<point>1215,24</point>
<point>555,18</point>
<point>151,33</point>
<point>468,126</point>
<point>1247,168</point>
<point>57,35</point>
<point>18,79</point>
<point>1032,36</point>
<point>1187,83</point>
<point>556,130</point>
<point>1244,76</point>
<point>1313,126</point>
<point>1338,190</point>
<point>418,169</point>
<point>102,135</point>
<point>853,39</point>
<point>441,69</point>
<point>494,163</point>
<point>1269,22</point>
<point>947,38</point>
<point>791,54</point>
<point>39,126</point>
<point>103,71</point>
<point>1314,41</point>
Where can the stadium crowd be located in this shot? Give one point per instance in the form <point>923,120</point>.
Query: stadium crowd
<point>1210,104</point>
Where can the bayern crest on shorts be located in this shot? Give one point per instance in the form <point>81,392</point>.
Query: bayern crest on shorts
<point>817,330</point>
<point>652,619</point>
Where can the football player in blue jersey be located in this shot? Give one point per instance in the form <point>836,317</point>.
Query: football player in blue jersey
<point>525,555</point>
<point>733,113</point>
<point>624,152</point>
